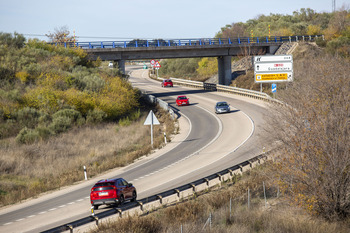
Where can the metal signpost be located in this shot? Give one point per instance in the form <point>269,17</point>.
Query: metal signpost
<point>276,68</point>
<point>151,120</point>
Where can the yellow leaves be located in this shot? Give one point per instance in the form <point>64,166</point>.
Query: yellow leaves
<point>207,67</point>
<point>23,76</point>
<point>313,30</point>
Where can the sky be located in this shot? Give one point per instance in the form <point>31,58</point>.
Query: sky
<point>148,19</point>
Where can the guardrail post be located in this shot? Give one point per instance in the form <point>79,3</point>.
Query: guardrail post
<point>141,205</point>
<point>241,168</point>
<point>70,227</point>
<point>147,43</point>
<point>200,42</point>
<point>136,43</point>
<point>207,181</point>
<point>119,211</point>
<point>169,43</point>
<point>239,40</point>
<point>160,199</point>
<point>257,40</point>
<point>158,43</point>
<point>229,41</point>
<point>124,44</point>
<point>177,192</point>
<point>96,219</point>
<point>193,187</point>
<point>180,42</point>
<point>189,42</point>
<point>219,40</point>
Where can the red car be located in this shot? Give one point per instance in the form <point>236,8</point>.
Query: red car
<point>112,191</point>
<point>167,83</point>
<point>182,100</point>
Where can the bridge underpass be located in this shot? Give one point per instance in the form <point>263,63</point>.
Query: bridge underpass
<point>223,53</point>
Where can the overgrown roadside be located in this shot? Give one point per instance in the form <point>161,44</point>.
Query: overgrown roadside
<point>210,211</point>
<point>42,166</point>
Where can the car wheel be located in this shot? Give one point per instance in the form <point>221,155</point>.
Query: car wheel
<point>134,196</point>
<point>95,207</point>
<point>121,200</point>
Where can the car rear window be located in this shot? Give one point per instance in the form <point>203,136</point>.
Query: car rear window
<point>104,184</point>
<point>102,188</point>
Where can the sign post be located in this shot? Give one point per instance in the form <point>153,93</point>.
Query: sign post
<point>151,120</point>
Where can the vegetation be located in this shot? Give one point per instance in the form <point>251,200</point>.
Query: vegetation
<point>191,216</point>
<point>60,112</point>
<point>334,26</point>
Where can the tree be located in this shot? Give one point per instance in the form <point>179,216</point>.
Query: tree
<point>313,128</point>
<point>60,35</point>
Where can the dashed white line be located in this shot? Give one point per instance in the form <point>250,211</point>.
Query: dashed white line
<point>70,203</point>
<point>80,200</point>
<point>18,220</point>
<point>61,206</point>
<point>52,209</point>
<point>44,212</point>
<point>31,216</point>
<point>7,223</point>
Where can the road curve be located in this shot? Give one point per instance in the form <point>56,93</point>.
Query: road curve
<point>208,143</point>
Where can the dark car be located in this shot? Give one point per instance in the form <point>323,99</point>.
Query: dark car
<point>112,191</point>
<point>222,107</point>
<point>167,83</point>
<point>182,100</point>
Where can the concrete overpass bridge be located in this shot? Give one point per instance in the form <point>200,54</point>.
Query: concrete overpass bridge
<point>223,49</point>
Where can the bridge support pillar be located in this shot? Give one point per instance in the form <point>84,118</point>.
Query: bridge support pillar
<point>224,72</point>
<point>121,66</point>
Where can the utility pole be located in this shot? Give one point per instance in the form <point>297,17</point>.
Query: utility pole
<point>333,6</point>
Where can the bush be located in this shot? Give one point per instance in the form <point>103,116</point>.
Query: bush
<point>60,124</point>
<point>28,117</point>
<point>95,116</point>
<point>27,136</point>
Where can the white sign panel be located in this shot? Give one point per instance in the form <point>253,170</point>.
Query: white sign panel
<point>151,119</point>
<point>274,67</point>
<point>275,58</point>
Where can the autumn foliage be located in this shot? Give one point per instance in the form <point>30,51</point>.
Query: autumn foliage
<point>313,128</point>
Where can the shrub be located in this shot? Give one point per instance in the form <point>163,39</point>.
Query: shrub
<point>28,117</point>
<point>95,116</point>
<point>60,124</point>
<point>27,136</point>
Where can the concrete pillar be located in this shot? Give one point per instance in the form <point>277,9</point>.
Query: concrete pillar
<point>121,66</point>
<point>224,72</point>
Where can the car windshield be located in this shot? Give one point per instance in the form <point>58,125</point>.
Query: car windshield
<point>223,104</point>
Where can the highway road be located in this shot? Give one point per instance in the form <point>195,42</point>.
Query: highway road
<point>206,143</point>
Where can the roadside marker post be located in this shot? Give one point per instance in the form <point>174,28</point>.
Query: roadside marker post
<point>85,173</point>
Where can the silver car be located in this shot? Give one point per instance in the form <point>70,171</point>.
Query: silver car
<point>222,107</point>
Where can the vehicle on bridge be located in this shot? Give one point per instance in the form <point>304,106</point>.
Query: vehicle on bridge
<point>112,191</point>
<point>182,100</point>
<point>167,83</point>
<point>222,107</point>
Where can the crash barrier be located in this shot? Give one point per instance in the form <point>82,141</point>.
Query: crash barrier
<point>164,105</point>
<point>145,205</point>
<point>223,88</point>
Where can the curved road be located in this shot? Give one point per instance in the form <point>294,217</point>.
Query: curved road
<point>207,143</point>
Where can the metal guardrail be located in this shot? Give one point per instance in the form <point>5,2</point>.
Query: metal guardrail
<point>182,192</point>
<point>136,43</point>
<point>177,194</point>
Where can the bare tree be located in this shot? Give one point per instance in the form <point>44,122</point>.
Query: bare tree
<point>313,128</point>
<point>60,35</point>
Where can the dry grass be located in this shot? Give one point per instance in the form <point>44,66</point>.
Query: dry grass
<point>27,170</point>
<point>191,215</point>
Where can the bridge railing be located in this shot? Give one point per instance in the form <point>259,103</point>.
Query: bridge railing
<point>188,42</point>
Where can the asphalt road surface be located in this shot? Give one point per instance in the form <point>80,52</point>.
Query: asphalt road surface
<point>207,143</point>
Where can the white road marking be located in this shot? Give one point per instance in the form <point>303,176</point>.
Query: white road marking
<point>70,203</point>
<point>80,200</point>
<point>61,206</point>
<point>44,212</point>
<point>52,209</point>
<point>7,223</point>
<point>31,216</point>
<point>18,220</point>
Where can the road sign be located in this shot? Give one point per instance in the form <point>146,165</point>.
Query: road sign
<point>277,68</point>
<point>151,119</point>
<point>274,87</point>
<point>275,58</point>
<point>157,65</point>
<point>273,77</point>
<point>274,67</point>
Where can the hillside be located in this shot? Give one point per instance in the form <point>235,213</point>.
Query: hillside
<point>60,112</point>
